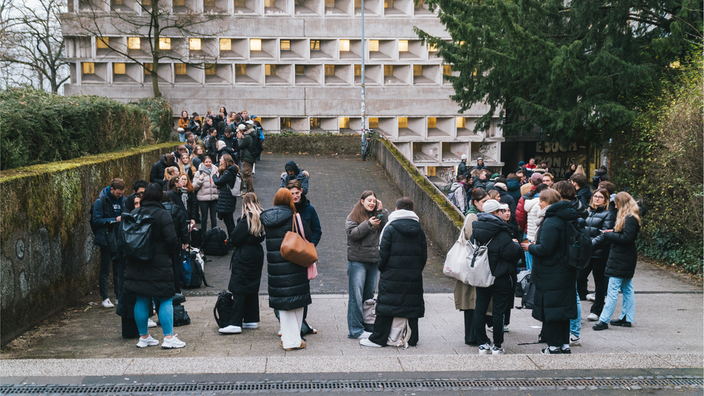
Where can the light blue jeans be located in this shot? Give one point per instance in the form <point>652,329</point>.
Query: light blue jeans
<point>166,314</point>
<point>363,278</point>
<point>576,324</point>
<point>182,137</point>
<point>529,258</point>
<point>628,307</point>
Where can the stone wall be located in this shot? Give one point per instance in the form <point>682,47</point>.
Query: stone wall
<point>440,219</point>
<point>47,256</point>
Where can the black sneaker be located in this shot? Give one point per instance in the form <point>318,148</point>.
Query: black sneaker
<point>548,351</point>
<point>566,351</point>
<point>621,322</point>
<point>600,326</point>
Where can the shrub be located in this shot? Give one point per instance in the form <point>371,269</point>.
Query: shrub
<point>161,116</point>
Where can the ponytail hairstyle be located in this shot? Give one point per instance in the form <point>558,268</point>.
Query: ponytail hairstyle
<point>477,195</point>
<point>252,210</point>
<point>627,206</point>
<point>227,162</point>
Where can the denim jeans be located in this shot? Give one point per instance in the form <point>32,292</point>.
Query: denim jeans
<point>166,314</point>
<point>628,308</point>
<point>576,324</point>
<point>363,278</point>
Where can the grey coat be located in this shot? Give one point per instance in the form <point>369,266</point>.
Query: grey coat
<point>363,239</point>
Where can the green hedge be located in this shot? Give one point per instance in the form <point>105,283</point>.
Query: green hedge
<point>160,115</point>
<point>39,127</point>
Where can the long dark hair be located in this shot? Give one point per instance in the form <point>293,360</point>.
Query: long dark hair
<point>359,214</point>
<point>537,190</point>
<point>477,195</point>
<point>153,192</point>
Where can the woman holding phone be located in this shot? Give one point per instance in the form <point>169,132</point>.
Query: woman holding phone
<point>363,226</point>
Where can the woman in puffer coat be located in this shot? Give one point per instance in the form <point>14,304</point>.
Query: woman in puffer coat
<point>207,192</point>
<point>600,219</point>
<point>181,222</point>
<point>227,203</point>
<point>154,278</point>
<point>555,302</point>
<point>621,265</point>
<point>289,288</point>
<point>246,266</point>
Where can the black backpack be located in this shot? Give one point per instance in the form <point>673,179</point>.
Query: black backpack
<point>181,317</point>
<point>192,275</point>
<point>137,235</point>
<point>579,245</point>
<point>257,145</point>
<point>223,308</point>
<point>525,288</point>
<point>196,237</point>
<point>214,242</point>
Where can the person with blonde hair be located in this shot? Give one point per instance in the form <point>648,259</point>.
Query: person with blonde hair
<point>246,266</point>
<point>580,170</point>
<point>170,172</point>
<point>621,265</point>
<point>186,166</point>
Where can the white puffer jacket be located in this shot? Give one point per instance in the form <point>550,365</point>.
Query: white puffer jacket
<point>532,208</point>
<point>206,190</point>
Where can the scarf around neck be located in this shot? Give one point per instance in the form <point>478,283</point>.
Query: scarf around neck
<point>398,214</point>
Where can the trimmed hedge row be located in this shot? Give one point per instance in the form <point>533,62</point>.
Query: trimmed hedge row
<point>39,127</point>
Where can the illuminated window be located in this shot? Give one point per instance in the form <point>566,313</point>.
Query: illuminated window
<point>285,123</point>
<point>388,3</point>
<point>240,70</point>
<point>240,4</point>
<point>270,3</point>
<point>447,70</point>
<point>179,3</point>
<point>146,2</point>
<point>432,122</point>
<point>419,3</point>
<point>329,70</point>
<point>403,122</point>
<point>344,45</point>
<point>357,3</point>
<point>357,70</point>
<point>147,68</point>
<point>194,44</point>
<point>300,70</point>
<point>373,45</point>
<point>460,122</point>
<point>330,3</point>
<point>211,69</point>
<point>88,68</point>
<point>117,2</point>
<point>388,70</point>
<point>270,70</point>
<point>209,3</point>
<point>373,122</point>
<point>417,70</point>
<point>225,45</point>
<point>103,42</point>
<point>344,122</point>
<point>315,45</point>
<point>432,47</point>
<point>285,45</point>
<point>164,43</point>
<point>134,43</point>
<point>315,122</point>
<point>403,46</point>
<point>118,68</point>
<point>180,69</point>
<point>255,44</point>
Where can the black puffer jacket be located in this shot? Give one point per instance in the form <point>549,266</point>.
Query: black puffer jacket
<point>623,255</point>
<point>584,194</point>
<point>247,260</point>
<point>157,173</point>
<point>191,210</point>
<point>555,295</point>
<point>180,221</point>
<point>579,207</point>
<point>404,252</point>
<point>600,219</point>
<point>288,283</point>
<point>154,278</point>
<point>503,252</point>
<point>227,203</point>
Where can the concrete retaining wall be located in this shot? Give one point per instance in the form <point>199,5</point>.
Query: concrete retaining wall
<point>47,256</point>
<point>322,143</point>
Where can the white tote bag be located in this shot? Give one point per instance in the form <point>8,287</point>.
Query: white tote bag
<point>477,266</point>
<point>400,333</point>
<point>456,259</point>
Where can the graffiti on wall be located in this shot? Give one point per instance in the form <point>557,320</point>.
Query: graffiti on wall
<point>560,157</point>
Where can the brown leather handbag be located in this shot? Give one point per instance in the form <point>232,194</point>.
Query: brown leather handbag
<point>297,250</point>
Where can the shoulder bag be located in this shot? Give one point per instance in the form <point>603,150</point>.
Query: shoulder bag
<point>296,249</point>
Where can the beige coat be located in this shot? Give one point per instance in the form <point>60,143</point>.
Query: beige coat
<point>466,295</point>
<point>206,190</point>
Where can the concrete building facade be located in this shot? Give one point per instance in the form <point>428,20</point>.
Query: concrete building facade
<point>296,64</point>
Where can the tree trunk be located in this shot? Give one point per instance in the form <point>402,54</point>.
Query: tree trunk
<point>155,81</point>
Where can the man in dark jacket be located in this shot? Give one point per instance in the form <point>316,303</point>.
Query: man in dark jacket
<point>584,193</point>
<point>294,173</point>
<point>481,180</point>
<point>107,213</point>
<point>480,164</point>
<point>462,167</point>
<point>245,140</point>
<point>157,173</point>
<point>504,252</point>
<point>211,145</point>
<point>404,252</point>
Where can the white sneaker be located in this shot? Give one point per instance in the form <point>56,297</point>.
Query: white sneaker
<point>365,342</point>
<point>230,330</point>
<point>364,335</point>
<point>145,342</point>
<point>591,296</point>
<point>497,351</point>
<point>485,349</point>
<point>575,341</point>
<point>252,325</point>
<point>172,343</point>
<point>108,304</point>
<point>151,323</point>
<point>592,317</point>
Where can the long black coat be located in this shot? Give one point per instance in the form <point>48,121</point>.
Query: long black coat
<point>191,210</point>
<point>623,255</point>
<point>288,282</point>
<point>555,293</point>
<point>154,278</point>
<point>503,252</point>
<point>404,252</point>
<point>600,219</point>
<point>227,203</point>
<point>157,173</point>
<point>247,260</point>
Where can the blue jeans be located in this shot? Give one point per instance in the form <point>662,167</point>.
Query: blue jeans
<point>628,308</point>
<point>576,324</point>
<point>166,314</point>
<point>529,258</point>
<point>363,279</point>
<point>182,137</point>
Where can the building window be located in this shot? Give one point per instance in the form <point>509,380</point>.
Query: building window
<point>330,3</point>
<point>285,45</point>
<point>88,68</point>
<point>388,70</point>
<point>447,70</point>
<point>374,45</point>
<point>432,122</point>
<point>117,2</point>
<point>357,3</point>
<point>315,45</point>
<point>300,70</point>
<point>344,122</point>
<point>403,46</point>
<point>417,70</point>
<point>388,3</point>
<point>255,44</point>
<point>194,44</point>
<point>344,45</point>
<point>209,3</point>
<point>118,68</point>
<point>285,123</point>
<point>329,70</point>
<point>270,70</point>
<point>179,3</point>
<point>164,43</point>
<point>147,68</point>
<point>403,122</point>
<point>180,68</point>
<point>240,4</point>
<point>315,122</point>
<point>432,47</point>
<point>240,70</point>
<point>146,2</point>
<point>134,43</point>
<point>373,122</point>
<point>357,70</point>
<point>225,45</point>
<point>270,3</point>
<point>210,69</point>
<point>460,122</point>
<point>103,42</point>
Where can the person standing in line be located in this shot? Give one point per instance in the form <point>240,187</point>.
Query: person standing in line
<point>206,193</point>
<point>246,266</point>
<point>621,265</point>
<point>292,172</point>
<point>245,141</point>
<point>548,179</point>
<point>155,278</point>
<point>181,223</point>
<point>570,171</point>
<point>480,164</point>
<point>182,125</point>
<point>584,193</point>
<point>107,214</point>
<point>462,167</point>
<point>289,287</point>
<point>186,167</point>
<point>403,252</point>
<point>532,206</point>
<point>227,203</point>
<point>363,226</point>
<point>157,173</point>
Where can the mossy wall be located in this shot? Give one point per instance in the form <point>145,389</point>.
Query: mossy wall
<point>314,143</point>
<point>47,257</point>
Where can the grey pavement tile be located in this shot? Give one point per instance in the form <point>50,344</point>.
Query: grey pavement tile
<point>599,361</point>
<point>62,367</point>
<point>466,363</point>
<point>343,364</point>
<point>192,365</point>
<point>686,360</point>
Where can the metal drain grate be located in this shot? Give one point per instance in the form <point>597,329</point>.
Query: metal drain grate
<point>669,382</point>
